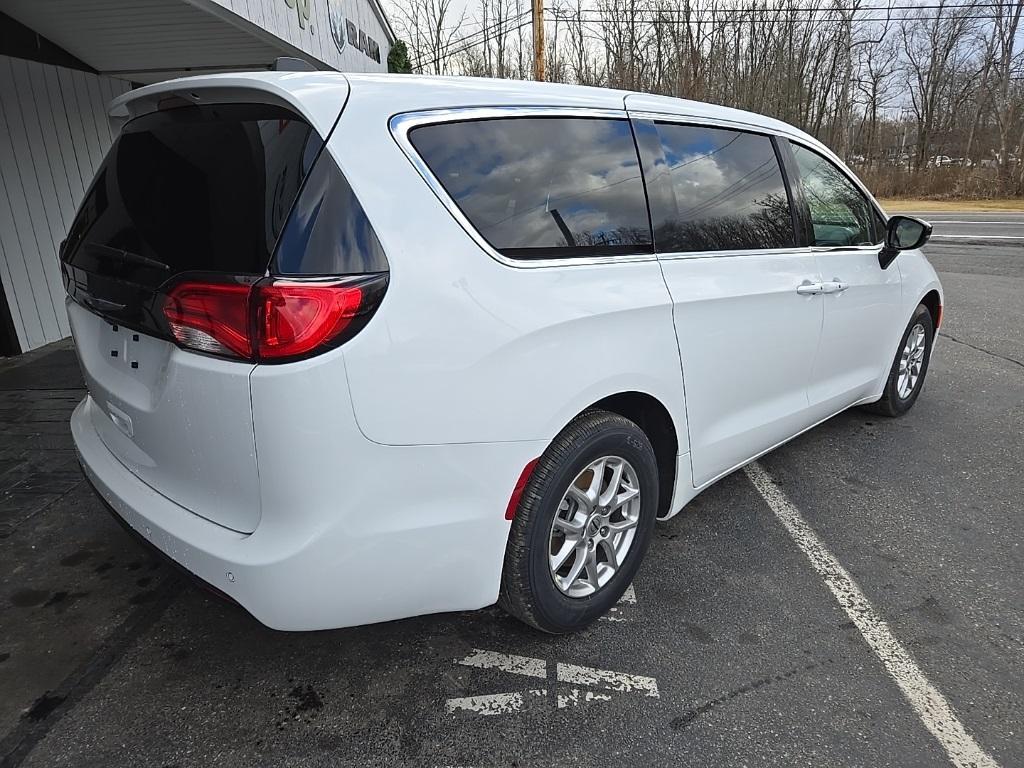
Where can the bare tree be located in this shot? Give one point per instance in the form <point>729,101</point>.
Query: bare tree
<point>1006,108</point>
<point>433,30</point>
<point>935,48</point>
<point>874,81</point>
<point>877,67</point>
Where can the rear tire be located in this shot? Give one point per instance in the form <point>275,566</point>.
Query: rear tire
<point>906,377</point>
<point>585,478</point>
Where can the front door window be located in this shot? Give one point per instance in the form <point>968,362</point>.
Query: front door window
<point>840,213</point>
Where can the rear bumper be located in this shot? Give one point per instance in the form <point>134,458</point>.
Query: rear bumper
<point>417,530</point>
<point>158,554</point>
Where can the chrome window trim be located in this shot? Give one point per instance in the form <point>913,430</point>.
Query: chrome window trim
<point>718,122</point>
<point>846,248</point>
<point>798,250</point>
<point>401,125</point>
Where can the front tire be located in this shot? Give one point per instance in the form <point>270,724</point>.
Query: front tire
<point>583,524</point>
<point>906,377</point>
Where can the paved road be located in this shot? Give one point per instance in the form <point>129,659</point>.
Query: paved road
<point>107,660</point>
<point>972,227</point>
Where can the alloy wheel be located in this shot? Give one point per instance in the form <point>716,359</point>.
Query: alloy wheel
<point>594,527</point>
<point>911,362</point>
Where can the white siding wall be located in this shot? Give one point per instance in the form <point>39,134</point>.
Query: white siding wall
<point>281,19</point>
<point>54,134</point>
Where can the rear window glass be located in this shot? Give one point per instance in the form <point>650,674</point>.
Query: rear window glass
<point>730,194</point>
<point>543,187</point>
<point>199,188</point>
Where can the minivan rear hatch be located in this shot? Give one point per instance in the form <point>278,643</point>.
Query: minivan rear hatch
<point>186,191</point>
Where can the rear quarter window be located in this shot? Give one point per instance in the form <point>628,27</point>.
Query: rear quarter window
<point>543,187</point>
<point>328,232</point>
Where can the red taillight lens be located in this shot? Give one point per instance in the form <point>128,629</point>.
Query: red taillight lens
<point>211,317</point>
<point>271,320</point>
<point>295,318</point>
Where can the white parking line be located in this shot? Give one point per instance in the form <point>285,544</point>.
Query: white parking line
<point>603,678</point>
<point>496,703</point>
<point>575,696</point>
<point>615,612</point>
<point>506,662</point>
<point>930,705</point>
<point>574,674</point>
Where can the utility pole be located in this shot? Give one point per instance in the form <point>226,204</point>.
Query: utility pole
<point>538,39</point>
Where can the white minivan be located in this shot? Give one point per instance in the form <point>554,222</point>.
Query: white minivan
<point>361,347</point>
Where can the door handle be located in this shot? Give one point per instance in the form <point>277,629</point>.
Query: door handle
<point>810,289</point>
<point>835,286</point>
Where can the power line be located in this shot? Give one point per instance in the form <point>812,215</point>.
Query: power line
<point>780,15</point>
<point>780,10</point>
<point>449,49</point>
<point>649,16</point>
<point>443,50</point>
<point>452,51</point>
<point>640,19</point>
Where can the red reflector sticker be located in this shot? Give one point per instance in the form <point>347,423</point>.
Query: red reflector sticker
<point>517,492</point>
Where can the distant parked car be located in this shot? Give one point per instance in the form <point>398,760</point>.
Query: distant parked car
<point>365,347</point>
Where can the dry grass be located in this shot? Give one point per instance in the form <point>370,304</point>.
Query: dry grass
<point>942,185</point>
<point>895,205</point>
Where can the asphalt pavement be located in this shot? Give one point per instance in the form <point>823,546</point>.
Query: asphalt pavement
<point>1004,226</point>
<point>730,650</point>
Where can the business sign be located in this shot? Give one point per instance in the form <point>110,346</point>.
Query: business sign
<point>337,24</point>
<point>345,32</point>
<point>302,9</point>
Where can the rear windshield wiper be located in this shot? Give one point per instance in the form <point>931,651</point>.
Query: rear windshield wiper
<point>126,257</point>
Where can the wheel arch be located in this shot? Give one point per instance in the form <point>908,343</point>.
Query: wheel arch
<point>933,303</point>
<point>651,415</point>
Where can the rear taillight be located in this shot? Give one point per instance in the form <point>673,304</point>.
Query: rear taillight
<point>211,317</point>
<point>296,318</point>
<point>271,320</point>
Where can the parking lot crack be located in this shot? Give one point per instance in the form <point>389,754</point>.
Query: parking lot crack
<point>687,718</point>
<point>955,340</point>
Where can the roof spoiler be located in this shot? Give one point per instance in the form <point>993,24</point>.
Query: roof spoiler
<point>318,96</point>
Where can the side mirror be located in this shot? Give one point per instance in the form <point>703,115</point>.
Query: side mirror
<point>903,233</point>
